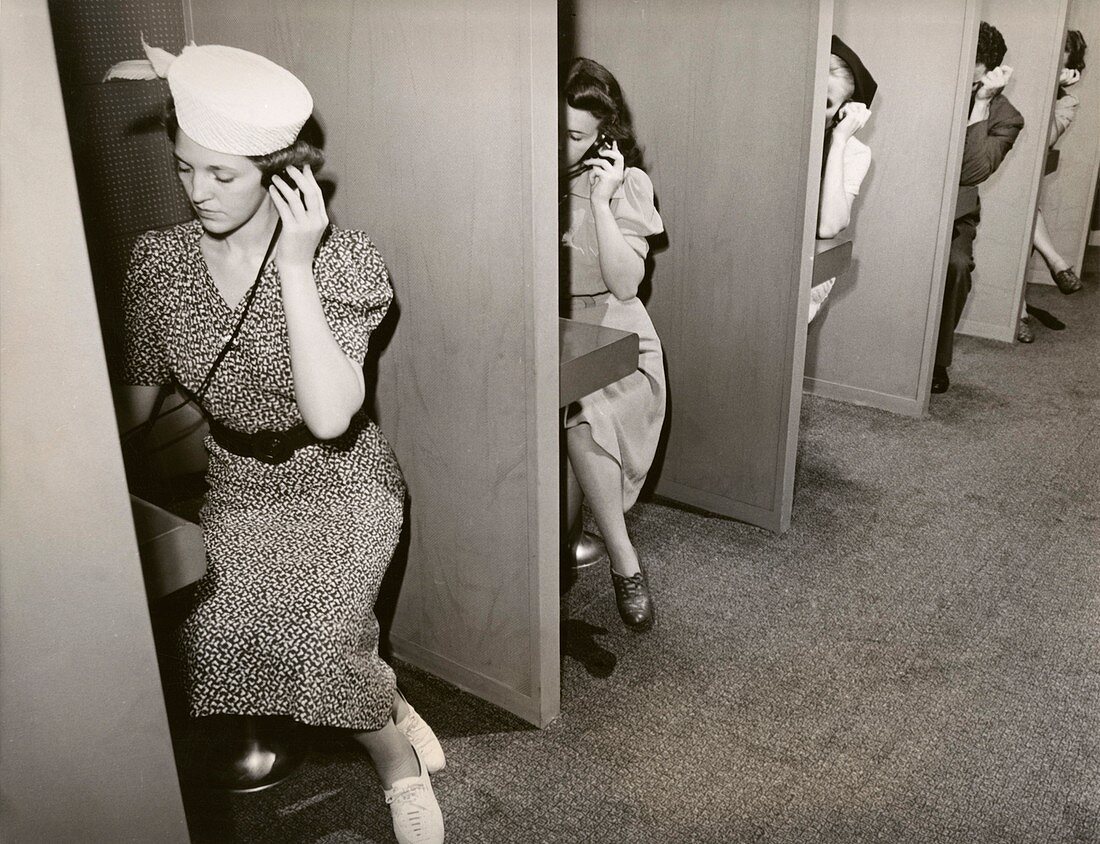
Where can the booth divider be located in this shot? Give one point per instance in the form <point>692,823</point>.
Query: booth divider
<point>87,754</point>
<point>734,151</point>
<point>873,342</point>
<point>1066,196</point>
<point>441,122</point>
<point>1034,31</point>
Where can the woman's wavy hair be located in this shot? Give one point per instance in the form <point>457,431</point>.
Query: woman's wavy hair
<point>1075,44</point>
<point>298,154</point>
<point>591,87</point>
<point>991,46</point>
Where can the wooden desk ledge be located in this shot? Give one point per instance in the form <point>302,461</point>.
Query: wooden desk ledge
<point>1051,163</point>
<point>172,551</point>
<point>967,201</point>
<point>591,357</point>
<point>832,257</point>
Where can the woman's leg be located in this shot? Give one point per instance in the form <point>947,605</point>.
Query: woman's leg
<point>574,500</point>
<point>413,806</point>
<point>1045,247</point>
<point>391,753</point>
<point>601,480</point>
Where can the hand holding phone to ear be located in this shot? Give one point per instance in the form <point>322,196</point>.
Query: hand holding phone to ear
<point>1069,77</point>
<point>605,173</point>
<point>851,117</point>
<point>993,82</point>
<point>301,207</point>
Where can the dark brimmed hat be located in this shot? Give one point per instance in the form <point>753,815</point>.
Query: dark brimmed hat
<point>865,82</point>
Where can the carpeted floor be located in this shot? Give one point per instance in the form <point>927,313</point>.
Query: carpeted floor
<point>916,660</point>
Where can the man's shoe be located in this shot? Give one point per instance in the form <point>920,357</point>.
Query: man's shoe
<point>1024,332</point>
<point>634,600</point>
<point>940,381</point>
<point>1067,281</point>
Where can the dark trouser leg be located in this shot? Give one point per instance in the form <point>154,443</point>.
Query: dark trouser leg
<point>960,266</point>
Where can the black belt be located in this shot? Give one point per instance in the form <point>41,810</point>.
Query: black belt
<point>277,446</point>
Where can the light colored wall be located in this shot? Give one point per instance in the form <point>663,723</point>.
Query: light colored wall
<point>873,342</point>
<point>1066,196</point>
<point>441,133</point>
<point>1033,31</point>
<point>723,95</point>
<point>86,751</point>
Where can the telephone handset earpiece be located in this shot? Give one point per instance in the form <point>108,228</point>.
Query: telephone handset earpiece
<point>838,115</point>
<point>602,144</point>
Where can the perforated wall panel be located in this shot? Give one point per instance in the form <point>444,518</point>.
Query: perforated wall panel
<point>91,35</point>
<point>124,167</point>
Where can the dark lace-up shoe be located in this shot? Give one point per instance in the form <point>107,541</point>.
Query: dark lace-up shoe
<point>1067,281</point>
<point>1024,332</point>
<point>633,599</point>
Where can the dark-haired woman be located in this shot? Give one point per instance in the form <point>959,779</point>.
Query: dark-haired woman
<point>849,92</point>
<point>611,435</point>
<point>262,311</point>
<point>1065,111</point>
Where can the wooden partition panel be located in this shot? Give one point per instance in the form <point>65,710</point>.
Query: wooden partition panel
<point>725,96</point>
<point>1033,30</point>
<point>441,120</point>
<point>1066,196</point>
<point>873,344</point>
<point>86,752</point>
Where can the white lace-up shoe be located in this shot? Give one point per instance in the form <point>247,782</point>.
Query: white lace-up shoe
<point>818,294</point>
<point>422,737</point>
<point>414,809</point>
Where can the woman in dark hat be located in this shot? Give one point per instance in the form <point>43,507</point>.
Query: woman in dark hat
<point>846,159</point>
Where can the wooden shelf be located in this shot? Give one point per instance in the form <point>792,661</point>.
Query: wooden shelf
<point>1051,163</point>
<point>832,257</point>
<point>591,357</point>
<point>172,551</point>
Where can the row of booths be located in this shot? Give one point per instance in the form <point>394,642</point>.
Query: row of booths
<point>441,133</point>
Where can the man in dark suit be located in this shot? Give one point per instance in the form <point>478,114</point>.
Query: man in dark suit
<point>990,133</point>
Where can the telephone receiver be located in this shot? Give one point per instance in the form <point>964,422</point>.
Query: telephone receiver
<point>838,115</point>
<point>601,144</point>
<point>287,178</point>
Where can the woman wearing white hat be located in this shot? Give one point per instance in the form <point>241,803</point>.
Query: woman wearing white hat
<point>261,311</point>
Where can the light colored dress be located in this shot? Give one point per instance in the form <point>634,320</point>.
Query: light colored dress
<point>625,417</point>
<point>1065,111</point>
<point>283,620</point>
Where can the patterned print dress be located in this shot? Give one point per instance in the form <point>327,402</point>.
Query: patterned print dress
<point>283,622</point>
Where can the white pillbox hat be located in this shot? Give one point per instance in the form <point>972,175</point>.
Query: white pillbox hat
<point>227,99</point>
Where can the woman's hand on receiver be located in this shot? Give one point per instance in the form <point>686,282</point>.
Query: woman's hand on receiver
<point>1068,77</point>
<point>606,173</point>
<point>303,214</point>
<point>853,117</point>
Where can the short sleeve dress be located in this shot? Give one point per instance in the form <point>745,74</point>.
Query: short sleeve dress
<point>283,622</point>
<point>625,417</point>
